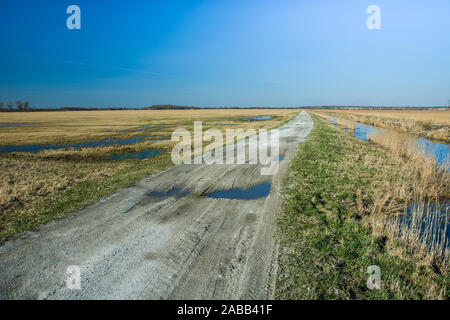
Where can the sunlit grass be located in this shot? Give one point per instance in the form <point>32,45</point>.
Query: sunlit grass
<point>342,198</point>
<point>38,187</point>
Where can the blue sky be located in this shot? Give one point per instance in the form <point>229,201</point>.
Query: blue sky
<point>218,53</point>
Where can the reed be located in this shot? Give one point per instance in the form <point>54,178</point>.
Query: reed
<point>414,212</point>
<point>410,211</point>
<point>428,179</point>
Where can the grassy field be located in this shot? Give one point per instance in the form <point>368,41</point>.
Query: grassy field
<point>342,197</point>
<point>432,124</point>
<point>38,187</point>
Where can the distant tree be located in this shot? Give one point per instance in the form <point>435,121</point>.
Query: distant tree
<point>19,105</point>
<point>26,106</point>
<point>1,105</point>
<point>10,106</point>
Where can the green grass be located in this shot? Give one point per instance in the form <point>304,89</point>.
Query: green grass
<point>325,248</point>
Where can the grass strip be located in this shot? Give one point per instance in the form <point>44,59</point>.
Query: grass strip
<point>325,248</point>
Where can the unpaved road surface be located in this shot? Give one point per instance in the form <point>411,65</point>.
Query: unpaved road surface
<point>133,245</point>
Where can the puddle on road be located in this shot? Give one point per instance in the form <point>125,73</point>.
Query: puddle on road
<point>261,190</point>
<point>171,193</point>
<point>258,118</point>
<point>136,155</point>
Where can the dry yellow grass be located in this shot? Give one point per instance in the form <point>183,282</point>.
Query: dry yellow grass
<point>437,117</point>
<point>422,182</point>
<point>58,180</point>
<point>78,126</point>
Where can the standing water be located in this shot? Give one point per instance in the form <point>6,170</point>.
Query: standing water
<point>440,151</point>
<point>429,221</point>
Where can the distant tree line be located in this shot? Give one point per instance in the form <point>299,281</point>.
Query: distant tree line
<point>21,106</point>
<point>169,107</point>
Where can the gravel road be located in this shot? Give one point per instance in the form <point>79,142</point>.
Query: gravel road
<point>164,238</point>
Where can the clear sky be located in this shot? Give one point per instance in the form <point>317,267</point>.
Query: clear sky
<point>215,53</point>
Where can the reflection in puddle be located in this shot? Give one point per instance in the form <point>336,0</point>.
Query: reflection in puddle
<point>259,191</point>
<point>363,132</point>
<point>136,155</point>
<point>171,193</point>
<point>165,125</point>
<point>187,125</point>
<point>131,130</point>
<point>257,118</point>
<point>431,225</point>
<point>440,151</point>
<point>16,125</point>
<point>40,147</point>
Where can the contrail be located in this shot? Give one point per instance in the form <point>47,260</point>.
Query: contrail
<point>86,64</point>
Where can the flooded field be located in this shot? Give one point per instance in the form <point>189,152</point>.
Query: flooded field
<point>258,118</point>
<point>136,155</point>
<point>16,125</point>
<point>54,162</point>
<point>90,144</point>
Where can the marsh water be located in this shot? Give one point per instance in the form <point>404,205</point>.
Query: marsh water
<point>434,221</point>
<point>440,151</point>
<point>257,118</point>
<point>136,155</point>
<point>431,223</point>
<point>17,125</point>
<point>90,144</point>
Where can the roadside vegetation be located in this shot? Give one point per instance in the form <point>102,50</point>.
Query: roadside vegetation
<point>431,124</point>
<point>38,187</point>
<point>343,202</point>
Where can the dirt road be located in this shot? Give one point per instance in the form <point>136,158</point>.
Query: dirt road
<point>165,238</point>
